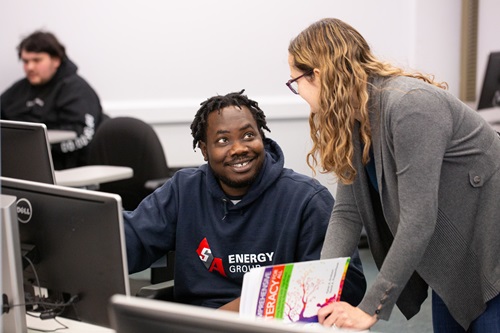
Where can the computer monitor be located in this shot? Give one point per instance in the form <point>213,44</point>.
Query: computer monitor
<point>139,315</point>
<point>13,316</point>
<point>75,240</point>
<point>25,151</point>
<point>490,92</point>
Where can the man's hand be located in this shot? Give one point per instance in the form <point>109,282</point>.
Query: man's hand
<point>342,314</point>
<point>232,306</point>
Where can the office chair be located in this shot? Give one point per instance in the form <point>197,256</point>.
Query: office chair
<point>127,141</point>
<point>161,288</point>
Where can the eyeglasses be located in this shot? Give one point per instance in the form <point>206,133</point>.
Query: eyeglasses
<point>292,83</point>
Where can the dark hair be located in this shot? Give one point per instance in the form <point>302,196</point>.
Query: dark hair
<point>41,41</point>
<point>216,103</point>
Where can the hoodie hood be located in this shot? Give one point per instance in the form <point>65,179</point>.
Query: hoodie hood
<point>67,68</point>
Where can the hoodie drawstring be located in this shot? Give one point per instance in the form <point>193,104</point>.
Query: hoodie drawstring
<point>224,200</point>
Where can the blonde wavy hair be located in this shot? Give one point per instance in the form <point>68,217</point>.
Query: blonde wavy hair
<point>346,63</point>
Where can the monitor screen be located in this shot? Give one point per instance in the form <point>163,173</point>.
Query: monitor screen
<point>75,241</point>
<point>138,315</point>
<point>490,92</point>
<point>13,317</point>
<point>25,151</point>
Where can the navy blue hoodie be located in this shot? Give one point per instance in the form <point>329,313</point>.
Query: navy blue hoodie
<point>282,218</point>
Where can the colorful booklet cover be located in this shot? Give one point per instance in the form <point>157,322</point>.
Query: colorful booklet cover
<point>293,292</point>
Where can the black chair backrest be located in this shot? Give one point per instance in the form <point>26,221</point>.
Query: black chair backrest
<point>128,141</point>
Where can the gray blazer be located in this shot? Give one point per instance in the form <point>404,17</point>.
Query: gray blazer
<point>438,173</point>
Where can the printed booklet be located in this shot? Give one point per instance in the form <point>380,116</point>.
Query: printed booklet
<point>293,292</point>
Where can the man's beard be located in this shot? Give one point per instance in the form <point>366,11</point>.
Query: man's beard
<point>237,184</point>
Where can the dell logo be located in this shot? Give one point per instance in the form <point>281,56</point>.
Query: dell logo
<point>23,210</point>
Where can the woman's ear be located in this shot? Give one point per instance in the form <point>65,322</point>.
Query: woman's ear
<point>203,148</point>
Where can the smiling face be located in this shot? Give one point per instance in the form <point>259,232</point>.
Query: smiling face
<point>234,149</point>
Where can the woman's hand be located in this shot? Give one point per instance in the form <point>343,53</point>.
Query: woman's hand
<point>342,314</point>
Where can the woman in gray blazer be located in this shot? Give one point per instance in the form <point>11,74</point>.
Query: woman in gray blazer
<point>417,168</point>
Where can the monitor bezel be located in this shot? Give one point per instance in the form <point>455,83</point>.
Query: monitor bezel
<point>11,284</point>
<point>137,315</point>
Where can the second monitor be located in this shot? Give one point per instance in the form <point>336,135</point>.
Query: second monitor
<point>490,91</point>
<point>75,241</point>
<point>25,151</point>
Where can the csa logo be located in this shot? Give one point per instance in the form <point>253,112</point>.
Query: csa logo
<point>211,263</point>
<point>23,210</point>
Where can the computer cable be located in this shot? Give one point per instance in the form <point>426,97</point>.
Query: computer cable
<point>50,310</point>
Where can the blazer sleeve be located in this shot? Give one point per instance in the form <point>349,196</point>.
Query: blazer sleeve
<point>342,239</point>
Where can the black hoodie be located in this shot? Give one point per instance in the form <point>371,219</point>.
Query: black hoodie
<point>66,102</point>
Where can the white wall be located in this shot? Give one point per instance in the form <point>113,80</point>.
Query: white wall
<point>158,59</point>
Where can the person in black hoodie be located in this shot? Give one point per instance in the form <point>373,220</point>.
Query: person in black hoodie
<point>54,94</point>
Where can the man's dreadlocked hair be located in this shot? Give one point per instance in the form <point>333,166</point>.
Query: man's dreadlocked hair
<point>217,103</point>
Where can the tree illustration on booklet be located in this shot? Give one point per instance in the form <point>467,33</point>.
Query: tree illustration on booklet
<point>299,300</point>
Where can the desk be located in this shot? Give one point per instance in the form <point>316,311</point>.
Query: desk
<point>92,175</point>
<point>56,136</point>
<point>492,116</point>
<point>36,325</point>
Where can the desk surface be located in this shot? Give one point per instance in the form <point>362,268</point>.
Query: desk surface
<point>92,175</point>
<point>492,116</point>
<point>56,136</point>
<point>36,325</point>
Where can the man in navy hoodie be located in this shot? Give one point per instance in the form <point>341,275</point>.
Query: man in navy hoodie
<point>54,94</point>
<point>241,209</point>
